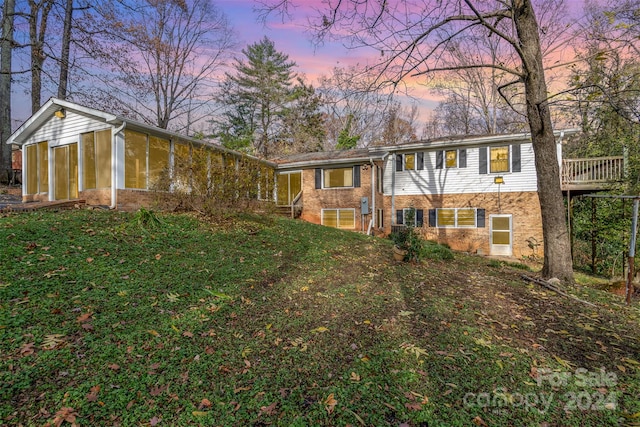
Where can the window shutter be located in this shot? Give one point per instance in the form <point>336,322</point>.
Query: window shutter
<point>439,159</point>
<point>356,176</point>
<point>462,158</point>
<point>432,217</point>
<point>516,163</point>
<point>398,162</point>
<point>420,161</point>
<point>480,218</point>
<point>318,179</point>
<point>483,160</point>
<point>419,217</point>
<point>399,217</point>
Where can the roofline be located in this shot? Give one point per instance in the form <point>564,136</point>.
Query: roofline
<point>117,121</point>
<point>482,140</point>
<point>332,162</point>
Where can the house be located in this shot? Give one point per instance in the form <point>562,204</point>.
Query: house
<point>476,194</point>
<point>71,151</point>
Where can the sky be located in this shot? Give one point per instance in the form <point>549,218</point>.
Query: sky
<point>290,37</point>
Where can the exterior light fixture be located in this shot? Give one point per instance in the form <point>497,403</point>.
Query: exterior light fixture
<point>61,114</point>
<point>498,180</point>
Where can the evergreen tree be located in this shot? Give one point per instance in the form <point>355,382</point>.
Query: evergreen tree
<point>255,98</point>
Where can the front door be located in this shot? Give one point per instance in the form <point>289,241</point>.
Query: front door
<point>66,172</point>
<point>500,235</point>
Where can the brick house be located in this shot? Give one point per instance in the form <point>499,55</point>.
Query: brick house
<point>476,194</point>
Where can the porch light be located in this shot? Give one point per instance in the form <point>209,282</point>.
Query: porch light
<point>498,180</point>
<point>61,114</point>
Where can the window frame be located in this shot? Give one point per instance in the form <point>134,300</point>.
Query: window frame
<point>322,216</point>
<point>455,218</point>
<point>507,160</point>
<point>324,178</point>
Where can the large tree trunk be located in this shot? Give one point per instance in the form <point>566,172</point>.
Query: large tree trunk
<point>6,45</point>
<point>557,248</point>
<point>66,47</point>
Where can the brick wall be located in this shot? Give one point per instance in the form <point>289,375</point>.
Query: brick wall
<point>94,197</point>
<point>131,200</point>
<point>314,200</point>
<point>523,206</point>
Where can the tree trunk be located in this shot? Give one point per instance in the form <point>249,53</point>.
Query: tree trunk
<point>6,47</point>
<point>557,249</point>
<point>37,32</point>
<point>66,47</point>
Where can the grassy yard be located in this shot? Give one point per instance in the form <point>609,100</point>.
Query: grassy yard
<point>267,321</point>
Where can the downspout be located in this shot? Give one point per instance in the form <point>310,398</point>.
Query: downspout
<point>393,190</point>
<point>559,155</point>
<point>374,185</point>
<point>114,169</point>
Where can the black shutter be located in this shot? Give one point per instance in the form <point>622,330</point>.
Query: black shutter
<point>398,162</point>
<point>432,217</point>
<point>419,217</point>
<point>356,176</point>
<point>439,159</point>
<point>483,160</point>
<point>516,163</point>
<point>399,217</point>
<point>318,179</point>
<point>480,218</point>
<point>462,158</point>
<point>420,161</point>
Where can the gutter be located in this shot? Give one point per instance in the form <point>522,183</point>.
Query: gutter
<point>114,169</point>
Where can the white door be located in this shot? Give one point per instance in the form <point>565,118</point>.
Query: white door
<point>500,235</point>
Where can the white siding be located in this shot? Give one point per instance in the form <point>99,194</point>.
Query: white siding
<point>460,180</point>
<point>65,131</point>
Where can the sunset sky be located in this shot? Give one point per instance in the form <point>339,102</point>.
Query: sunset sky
<point>290,37</point>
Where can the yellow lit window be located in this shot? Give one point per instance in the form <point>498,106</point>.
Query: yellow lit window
<point>451,158</point>
<point>409,162</point>
<point>339,218</point>
<point>32,169</point>
<point>135,159</point>
<point>334,178</point>
<point>446,217</point>
<point>466,218</point>
<point>499,159</point>
<point>158,159</point>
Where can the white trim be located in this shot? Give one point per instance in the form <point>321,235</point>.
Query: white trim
<point>500,249</point>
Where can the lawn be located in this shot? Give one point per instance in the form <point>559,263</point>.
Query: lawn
<point>107,319</point>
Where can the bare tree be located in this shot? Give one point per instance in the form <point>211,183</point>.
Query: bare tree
<point>414,40</point>
<point>38,21</point>
<point>65,50</point>
<point>163,57</point>
<point>6,50</point>
<point>351,100</point>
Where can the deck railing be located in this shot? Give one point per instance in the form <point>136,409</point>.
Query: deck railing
<point>592,170</point>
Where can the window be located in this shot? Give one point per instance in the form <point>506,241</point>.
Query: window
<point>289,185</point>
<point>379,179</point>
<point>335,178</point>
<point>96,159</point>
<point>456,217</point>
<point>38,168</point>
<point>499,159</point>
<point>411,217</point>
<point>409,162</point>
<point>451,157</point>
<point>380,218</point>
<point>339,218</point>
<point>144,159</point>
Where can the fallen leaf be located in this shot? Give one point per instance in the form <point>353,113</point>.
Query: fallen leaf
<point>158,256</point>
<point>199,413</point>
<point>269,410</point>
<point>113,366</point>
<point>92,396</point>
<point>187,334</point>
<point>27,349</point>
<point>154,421</point>
<point>320,329</point>
<point>65,414</point>
<point>354,377</point>
<point>89,259</point>
<point>330,403</point>
<point>479,422</point>
<point>153,332</point>
<point>414,406</point>
<point>84,317</point>
<point>204,403</point>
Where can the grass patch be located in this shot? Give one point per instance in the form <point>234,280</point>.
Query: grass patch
<point>267,321</point>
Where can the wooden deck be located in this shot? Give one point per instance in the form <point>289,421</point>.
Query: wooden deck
<point>592,174</point>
